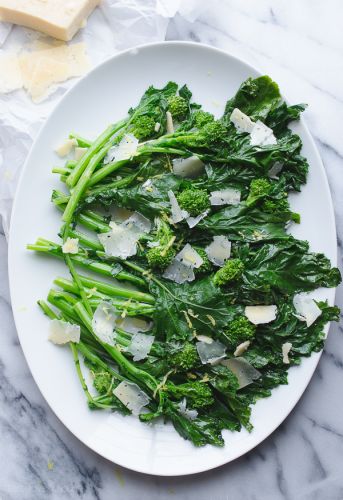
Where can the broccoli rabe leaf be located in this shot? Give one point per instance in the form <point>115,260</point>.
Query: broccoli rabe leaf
<point>176,305</point>
<point>255,97</point>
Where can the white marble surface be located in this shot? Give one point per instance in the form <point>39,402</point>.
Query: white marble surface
<point>300,45</point>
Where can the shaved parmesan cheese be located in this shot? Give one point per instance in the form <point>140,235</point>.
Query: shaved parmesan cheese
<point>219,250</point>
<point>274,171</point>
<point>188,167</point>
<point>62,332</point>
<point>170,124</point>
<point>210,353</point>
<point>189,257</point>
<point>133,325</point>
<point>226,197</point>
<point>177,214</point>
<point>241,121</point>
<point>193,221</point>
<point>204,338</point>
<point>71,245</point>
<point>122,240</point>
<point>260,314</point>
<point>103,322</point>
<point>244,371</point>
<point>178,272</point>
<point>65,148</point>
<point>261,135</point>
<point>125,150</point>
<point>157,126</point>
<point>185,412</point>
<point>286,347</point>
<point>79,152</point>
<point>241,348</point>
<point>119,242</point>
<point>138,223</point>
<point>140,345</point>
<point>306,308</point>
<point>131,396</point>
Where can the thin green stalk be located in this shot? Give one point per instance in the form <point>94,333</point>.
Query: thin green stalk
<point>128,367</point>
<point>93,149</point>
<point>81,141</point>
<point>82,183</point>
<point>114,291</point>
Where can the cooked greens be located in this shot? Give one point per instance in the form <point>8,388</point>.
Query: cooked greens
<point>192,213</point>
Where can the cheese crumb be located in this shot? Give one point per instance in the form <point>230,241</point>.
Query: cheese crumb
<point>103,322</point>
<point>79,152</point>
<point>241,121</point>
<point>71,245</point>
<point>10,74</point>
<point>188,167</point>
<point>306,308</point>
<point>241,348</point>
<point>226,197</point>
<point>219,250</point>
<point>65,148</point>
<point>170,124</point>
<point>286,347</point>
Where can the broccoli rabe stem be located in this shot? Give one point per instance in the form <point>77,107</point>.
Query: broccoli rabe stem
<point>55,250</point>
<point>93,149</point>
<point>81,141</point>
<point>131,308</point>
<point>125,365</point>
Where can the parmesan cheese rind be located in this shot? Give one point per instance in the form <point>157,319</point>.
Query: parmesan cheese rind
<point>62,332</point>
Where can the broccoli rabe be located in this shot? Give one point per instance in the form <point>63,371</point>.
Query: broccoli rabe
<point>178,107</point>
<point>231,271</point>
<point>194,201</point>
<point>201,118</point>
<point>160,256</point>
<point>258,189</point>
<point>198,394</point>
<point>214,132</point>
<point>239,330</point>
<point>143,127</point>
<point>184,357</point>
<point>102,382</point>
<point>206,266</point>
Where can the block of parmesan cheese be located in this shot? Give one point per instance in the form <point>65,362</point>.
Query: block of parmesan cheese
<point>58,18</point>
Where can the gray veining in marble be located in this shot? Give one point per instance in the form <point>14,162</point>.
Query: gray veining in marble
<point>300,44</point>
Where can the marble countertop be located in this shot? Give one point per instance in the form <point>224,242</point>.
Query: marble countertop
<point>300,45</point>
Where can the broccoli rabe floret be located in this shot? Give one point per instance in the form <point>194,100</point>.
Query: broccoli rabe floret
<point>214,132</point>
<point>195,201</point>
<point>201,118</point>
<point>160,256</point>
<point>272,206</point>
<point>102,382</point>
<point>178,107</point>
<point>143,127</point>
<point>258,189</point>
<point>239,330</point>
<point>184,357</point>
<point>206,266</point>
<point>198,394</point>
<point>231,271</point>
